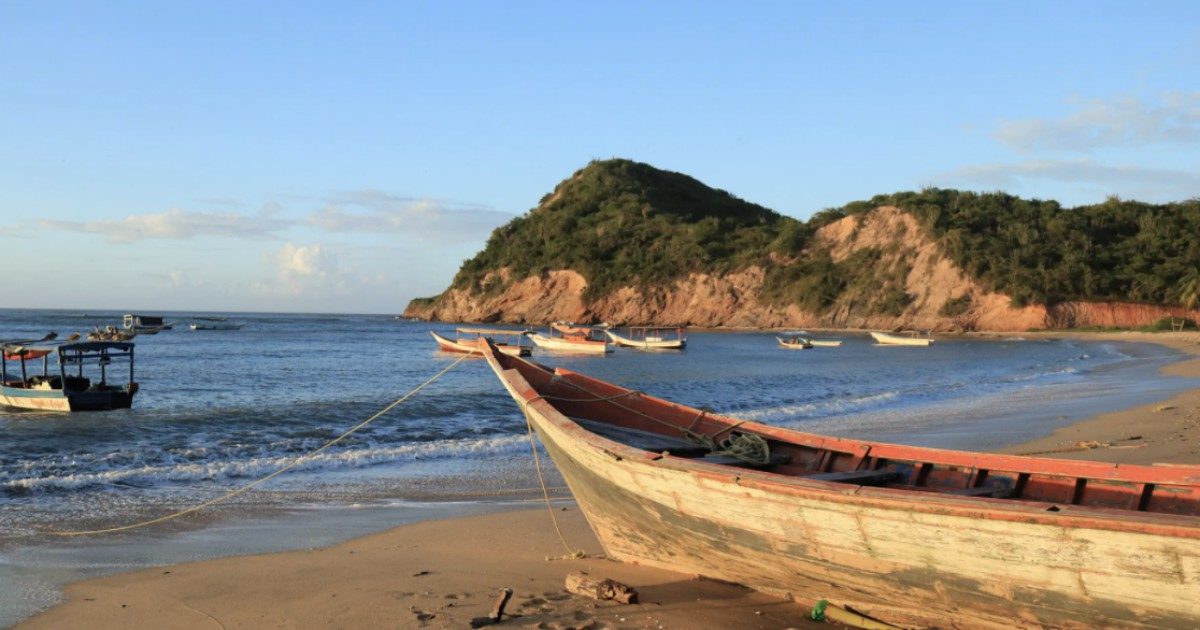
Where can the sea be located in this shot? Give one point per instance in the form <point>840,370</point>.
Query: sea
<point>219,409</point>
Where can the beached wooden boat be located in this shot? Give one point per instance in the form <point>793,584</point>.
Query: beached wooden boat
<point>915,536</point>
<point>913,339</point>
<point>794,343</point>
<point>470,340</point>
<point>651,337</point>
<point>69,389</point>
<point>567,337</point>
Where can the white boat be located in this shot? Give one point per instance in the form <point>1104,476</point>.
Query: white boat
<point>471,340</point>
<point>825,343</point>
<point>913,339</point>
<point>651,337</point>
<point>794,343</point>
<point>82,381</point>
<point>567,337</point>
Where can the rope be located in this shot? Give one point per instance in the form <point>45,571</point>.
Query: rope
<point>246,488</point>
<point>537,464</point>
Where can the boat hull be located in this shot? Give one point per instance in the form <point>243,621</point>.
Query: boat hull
<point>792,346</point>
<point>664,344</point>
<point>921,560</point>
<point>450,345</point>
<point>555,344</point>
<point>893,340</point>
<point>56,400</point>
<point>818,343</point>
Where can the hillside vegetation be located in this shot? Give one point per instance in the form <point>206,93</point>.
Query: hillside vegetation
<point>621,223</point>
<point>1041,253</point>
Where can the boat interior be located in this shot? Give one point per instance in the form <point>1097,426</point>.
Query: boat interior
<point>665,429</point>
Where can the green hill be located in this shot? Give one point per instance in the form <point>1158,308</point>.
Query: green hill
<point>624,223</point>
<point>619,222</point>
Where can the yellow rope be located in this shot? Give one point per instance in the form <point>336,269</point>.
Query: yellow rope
<point>252,484</point>
<point>537,464</point>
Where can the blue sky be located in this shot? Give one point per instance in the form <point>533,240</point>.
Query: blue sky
<point>347,157</point>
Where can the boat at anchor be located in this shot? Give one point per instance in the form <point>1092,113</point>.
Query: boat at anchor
<point>651,337</point>
<point>71,387</point>
<point>913,536</point>
<point>471,340</point>
<point>567,337</point>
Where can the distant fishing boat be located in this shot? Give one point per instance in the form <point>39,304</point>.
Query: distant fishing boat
<point>825,343</point>
<point>214,325</point>
<point>914,339</point>
<point>919,537</point>
<point>145,324</point>
<point>567,337</point>
<point>68,388</point>
<point>470,341</point>
<point>651,337</point>
<point>794,343</point>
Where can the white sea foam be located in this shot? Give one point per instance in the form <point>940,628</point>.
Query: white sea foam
<point>258,466</point>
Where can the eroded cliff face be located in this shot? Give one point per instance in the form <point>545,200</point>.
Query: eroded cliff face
<point>905,252</point>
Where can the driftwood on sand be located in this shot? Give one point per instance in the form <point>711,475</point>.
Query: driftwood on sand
<point>580,583</point>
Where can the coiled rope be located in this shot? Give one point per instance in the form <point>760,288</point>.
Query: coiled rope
<point>295,462</point>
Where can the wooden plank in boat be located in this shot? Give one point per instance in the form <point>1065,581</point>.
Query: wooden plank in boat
<point>645,440</point>
<point>857,477</point>
<point>777,459</point>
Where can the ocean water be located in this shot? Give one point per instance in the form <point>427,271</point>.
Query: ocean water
<point>218,409</point>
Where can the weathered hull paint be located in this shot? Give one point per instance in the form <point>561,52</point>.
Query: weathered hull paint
<point>926,560</point>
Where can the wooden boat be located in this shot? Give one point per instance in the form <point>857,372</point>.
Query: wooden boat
<point>111,333</point>
<point>145,324</point>
<point>651,337</point>
<point>567,337</point>
<point>914,339</point>
<point>470,340</point>
<point>794,343</point>
<point>68,389</point>
<point>913,536</point>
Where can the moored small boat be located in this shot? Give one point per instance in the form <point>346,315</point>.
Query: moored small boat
<point>651,337</point>
<point>914,339</point>
<point>914,536</point>
<point>145,324</point>
<point>471,340</point>
<point>794,343</point>
<point>567,337</point>
<point>71,388</point>
<point>214,325</point>
<point>825,343</point>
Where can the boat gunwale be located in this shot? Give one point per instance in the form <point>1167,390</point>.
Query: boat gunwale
<point>1024,510</point>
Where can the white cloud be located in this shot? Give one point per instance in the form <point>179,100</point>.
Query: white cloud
<point>1118,122</point>
<point>303,268</point>
<point>1145,183</point>
<point>373,211</point>
<point>178,224</point>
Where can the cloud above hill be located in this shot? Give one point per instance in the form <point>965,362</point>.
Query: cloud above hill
<point>1121,122</point>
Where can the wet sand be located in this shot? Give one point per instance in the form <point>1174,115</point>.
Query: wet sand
<point>1165,432</point>
<point>442,574</point>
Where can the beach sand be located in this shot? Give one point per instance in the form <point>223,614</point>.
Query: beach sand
<point>1165,432</point>
<point>433,574</point>
<point>442,574</point>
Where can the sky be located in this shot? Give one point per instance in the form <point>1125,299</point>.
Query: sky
<point>347,157</point>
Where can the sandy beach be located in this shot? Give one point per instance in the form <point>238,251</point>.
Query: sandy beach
<point>443,574</point>
<point>1165,432</point>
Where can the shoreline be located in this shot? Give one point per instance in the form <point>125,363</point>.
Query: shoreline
<point>424,575</point>
<point>1163,432</point>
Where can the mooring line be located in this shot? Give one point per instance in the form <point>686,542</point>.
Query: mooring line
<point>246,488</point>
